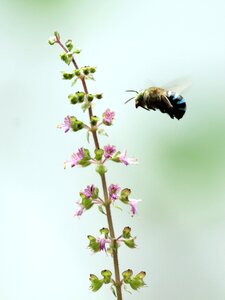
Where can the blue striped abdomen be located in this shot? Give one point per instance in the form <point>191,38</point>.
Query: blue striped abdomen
<point>178,103</point>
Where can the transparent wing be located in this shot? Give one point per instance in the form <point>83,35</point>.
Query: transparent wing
<point>179,85</point>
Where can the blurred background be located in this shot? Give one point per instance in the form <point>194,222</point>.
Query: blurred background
<point>181,173</point>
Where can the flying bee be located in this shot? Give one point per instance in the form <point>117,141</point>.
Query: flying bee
<point>167,101</point>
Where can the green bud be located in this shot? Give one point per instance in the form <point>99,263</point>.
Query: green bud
<point>92,69</point>
<point>104,231</point>
<point>77,72</point>
<point>93,245</point>
<point>86,70</point>
<point>125,193</point>
<point>86,160</point>
<point>96,283</point>
<point>137,282</point>
<point>94,120</point>
<point>101,169</point>
<point>90,97</point>
<point>127,275</point>
<point>51,41</point>
<point>98,154</point>
<point>126,232</point>
<point>106,276</point>
<point>73,99</point>
<point>68,76</point>
<point>130,243</point>
<point>80,96</point>
<point>77,51</point>
<point>116,157</point>
<point>66,57</point>
<point>86,202</point>
<point>56,34</point>
<point>99,96</point>
<point>69,45</point>
<point>77,125</point>
<point>95,194</point>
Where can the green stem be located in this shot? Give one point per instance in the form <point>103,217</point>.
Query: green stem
<point>105,192</point>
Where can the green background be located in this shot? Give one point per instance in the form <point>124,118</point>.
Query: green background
<point>181,173</point>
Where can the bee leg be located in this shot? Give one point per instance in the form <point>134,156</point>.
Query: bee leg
<point>169,107</point>
<point>167,102</point>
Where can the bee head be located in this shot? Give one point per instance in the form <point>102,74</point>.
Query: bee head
<point>138,98</point>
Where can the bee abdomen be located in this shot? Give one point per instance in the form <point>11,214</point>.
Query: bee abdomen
<point>178,103</point>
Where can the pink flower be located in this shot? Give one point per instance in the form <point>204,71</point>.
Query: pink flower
<point>108,117</point>
<point>67,125</point>
<point>76,158</point>
<point>109,151</point>
<point>89,191</point>
<point>114,189</point>
<point>103,241</point>
<point>133,203</point>
<point>80,210</point>
<point>127,161</point>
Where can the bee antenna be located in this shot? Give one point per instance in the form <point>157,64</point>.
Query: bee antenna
<point>132,91</point>
<point>128,100</point>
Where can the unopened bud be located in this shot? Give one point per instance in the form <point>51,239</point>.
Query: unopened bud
<point>69,45</point>
<point>98,96</point>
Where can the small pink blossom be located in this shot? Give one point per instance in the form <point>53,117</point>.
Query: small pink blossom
<point>76,158</point>
<point>80,210</point>
<point>109,150</point>
<point>133,203</point>
<point>89,191</point>
<point>108,117</point>
<point>103,241</point>
<point>126,160</point>
<point>114,189</point>
<point>67,125</point>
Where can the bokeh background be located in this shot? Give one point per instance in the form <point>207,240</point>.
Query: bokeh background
<point>181,171</point>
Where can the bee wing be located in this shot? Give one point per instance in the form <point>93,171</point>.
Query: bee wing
<point>179,85</point>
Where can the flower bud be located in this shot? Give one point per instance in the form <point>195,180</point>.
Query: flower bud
<point>77,51</point>
<point>87,203</point>
<point>80,96</point>
<point>96,283</point>
<point>106,276</point>
<point>52,41</point>
<point>56,34</point>
<point>93,244</point>
<point>126,232</point>
<point>76,124</point>
<point>101,169</point>
<point>125,193</point>
<point>69,45</point>
<point>137,282</point>
<point>73,99</point>
<point>130,243</point>
<point>92,69</point>
<point>90,97</point>
<point>86,70</point>
<point>94,120</point>
<point>68,76</point>
<point>104,231</point>
<point>77,72</point>
<point>127,275</point>
<point>98,96</point>
<point>66,57</point>
<point>98,154</point>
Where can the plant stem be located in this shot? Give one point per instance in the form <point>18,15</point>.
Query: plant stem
<point>105,192</point>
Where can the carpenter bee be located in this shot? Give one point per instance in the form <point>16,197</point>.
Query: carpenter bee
<point>167,101</point>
